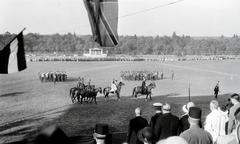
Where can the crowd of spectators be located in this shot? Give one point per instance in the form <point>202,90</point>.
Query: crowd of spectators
<point>221,126</point>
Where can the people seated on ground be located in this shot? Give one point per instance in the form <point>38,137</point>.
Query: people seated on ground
<point>214,123</point>
<point>113,86</point>
<point>234,137</point>
<point>168,124</point>
<point>135,125</point>
<point>143,85</point>
<point>146,136</point>
<point>235,101</point>
<point>101,134</point>
<point>173,140</point>
<point>195,134</point>
<point>158,113</point>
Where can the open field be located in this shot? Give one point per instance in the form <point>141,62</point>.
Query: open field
<point>27,104</point>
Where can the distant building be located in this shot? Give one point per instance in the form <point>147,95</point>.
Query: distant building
<point>95,53</point>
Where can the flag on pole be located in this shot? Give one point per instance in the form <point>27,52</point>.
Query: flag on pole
<point>103,18</point>
<point>12,56</point>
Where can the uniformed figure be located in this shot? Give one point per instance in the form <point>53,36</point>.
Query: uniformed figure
<point>135,125</point>
<point>195,134</point>
<point>143,85</point>
<point>158,108</point>
<point>172,75</point>
<point>216,90</point>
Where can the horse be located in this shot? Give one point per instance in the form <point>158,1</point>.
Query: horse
<point>91,94</point>
<point>74,94</point>
<point>148,90</point>
<point>107,90</point>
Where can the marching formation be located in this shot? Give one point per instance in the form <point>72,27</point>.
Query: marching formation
<point>57,76</point>
<point>140,75</point>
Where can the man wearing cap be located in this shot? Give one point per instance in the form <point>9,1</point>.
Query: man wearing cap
<point>158,108</point>
<point>135,125</point>
<point>195,134</point>
<point>235,101</point>
<point>168,124</point>
<point>184,124</point>
<point>101,134</point>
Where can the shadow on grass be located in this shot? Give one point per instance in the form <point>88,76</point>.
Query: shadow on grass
<point>12,94</point>
<point>79,120</point>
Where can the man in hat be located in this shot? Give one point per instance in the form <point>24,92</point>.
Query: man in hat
<point>235,101</point>
<point>168,124</point>
<point>158,113</point>
<point>184,124</point>
<point>135,125</point>
<point>101,134</point>
<point>195,134</point>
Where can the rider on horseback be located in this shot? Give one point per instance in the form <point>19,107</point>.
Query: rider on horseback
<point>113,86</point>
<point>143,85</point>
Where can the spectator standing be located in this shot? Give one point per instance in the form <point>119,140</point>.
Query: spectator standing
<point>184,124</point>
<point>135,125</point>
<point>235,101</point>
<point>213,121</point>
<point>158,108</point>
<point>195,134</point>
<point>167,125</point>
<point>216,90</point>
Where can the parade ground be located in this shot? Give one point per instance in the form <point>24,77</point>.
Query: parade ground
<point>26,104</point>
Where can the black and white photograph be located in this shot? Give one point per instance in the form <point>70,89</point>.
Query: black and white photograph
<point>119,71</point>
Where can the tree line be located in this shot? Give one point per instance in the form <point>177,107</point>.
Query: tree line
<point>131,45</point>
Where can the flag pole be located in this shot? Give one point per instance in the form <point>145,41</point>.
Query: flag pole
<point>189,92</point>
<point>15,36</point>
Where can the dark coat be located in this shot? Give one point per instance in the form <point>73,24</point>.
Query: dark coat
<point>153,122</point>
<point>135,125</point>
<point>167,125</point>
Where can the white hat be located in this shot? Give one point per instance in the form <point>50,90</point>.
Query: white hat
<point>186,107</point>
<point>158,104</point>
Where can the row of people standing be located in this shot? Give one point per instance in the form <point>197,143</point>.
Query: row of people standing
<point>218,126</point>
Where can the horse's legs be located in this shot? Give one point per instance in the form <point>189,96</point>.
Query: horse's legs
<point>95,99</point>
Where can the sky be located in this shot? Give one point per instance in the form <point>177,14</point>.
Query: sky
<point>188,17</point>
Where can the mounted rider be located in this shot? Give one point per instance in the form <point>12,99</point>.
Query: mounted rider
<point>143,85</point>
<point>113,86</point>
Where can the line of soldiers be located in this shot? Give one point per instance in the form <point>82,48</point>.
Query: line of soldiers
<point>140,75</point>
<point>52,76</point>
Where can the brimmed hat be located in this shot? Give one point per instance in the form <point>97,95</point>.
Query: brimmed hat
<point>101,131</point>
<point>195,113</point>
<point>147,133</point>
<point>186,107</point>
<point>158,106</point>
<point>235,96</point>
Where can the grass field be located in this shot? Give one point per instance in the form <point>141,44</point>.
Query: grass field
<point>27,104</point>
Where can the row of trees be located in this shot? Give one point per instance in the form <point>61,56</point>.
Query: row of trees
<point>133,45</point>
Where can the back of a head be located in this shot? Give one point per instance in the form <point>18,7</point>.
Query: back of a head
<point>138,111</point>
<point>173,140</point>
<point>166,108</point>
<point>214,104</point>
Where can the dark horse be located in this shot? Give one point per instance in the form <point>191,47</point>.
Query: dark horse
<point>74,94</point>
<point>148,90</point>
<point>107,90</point>
<point>90,94</point>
